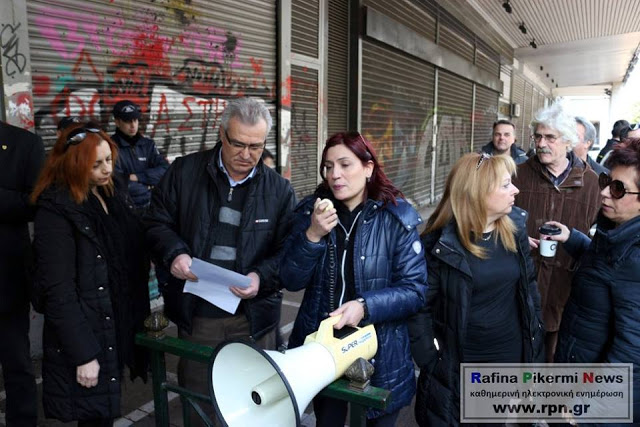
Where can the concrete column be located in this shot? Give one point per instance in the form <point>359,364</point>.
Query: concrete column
<point>16,103</point>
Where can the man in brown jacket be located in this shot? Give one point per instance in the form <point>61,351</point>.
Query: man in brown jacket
<point>556,185</point>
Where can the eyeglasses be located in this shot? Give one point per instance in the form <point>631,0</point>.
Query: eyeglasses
<point>240,146</point>
<point>616,188</point>
<point>549,137</point>
<point>483,157</point>
<point>76,136</point>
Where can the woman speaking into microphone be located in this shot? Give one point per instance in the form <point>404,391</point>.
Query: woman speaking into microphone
<point>358,255</point>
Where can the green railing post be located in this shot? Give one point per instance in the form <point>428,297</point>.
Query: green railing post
<point>159,377</point>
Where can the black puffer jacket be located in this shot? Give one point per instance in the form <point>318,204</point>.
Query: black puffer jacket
<point>600,323</point>
<point>182,213</point>
<point>73,282</point>
<point>444,318</point>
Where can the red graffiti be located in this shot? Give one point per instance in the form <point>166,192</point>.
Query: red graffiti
<point>41,85</point>
<point>78,72</point>
<point>20,111</point>
<point>184,125</point>
<point>163,110</point>
<point>285,96</point>
<point>150,49</point>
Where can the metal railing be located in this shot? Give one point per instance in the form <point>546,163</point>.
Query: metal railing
<point>359,401</point>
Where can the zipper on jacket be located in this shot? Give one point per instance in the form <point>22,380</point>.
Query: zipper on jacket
<point>230,195</point>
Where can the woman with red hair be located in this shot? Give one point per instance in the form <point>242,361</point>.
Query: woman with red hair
<point>91,280</point>
<point>358,254</point>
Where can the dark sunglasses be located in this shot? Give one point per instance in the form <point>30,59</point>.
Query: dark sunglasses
<point>616,188</point>
<point>76,136</point>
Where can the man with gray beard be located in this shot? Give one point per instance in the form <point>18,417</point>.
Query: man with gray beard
<point>555,185</point>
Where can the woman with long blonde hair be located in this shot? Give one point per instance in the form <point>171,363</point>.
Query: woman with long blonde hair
<point>483,304</point>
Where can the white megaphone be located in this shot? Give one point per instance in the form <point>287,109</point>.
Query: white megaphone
<point>254,387</point>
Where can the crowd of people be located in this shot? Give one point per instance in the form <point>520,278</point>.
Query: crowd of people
<point>473,287</point>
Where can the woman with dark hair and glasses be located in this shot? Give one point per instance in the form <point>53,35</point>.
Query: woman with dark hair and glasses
<point>483,304</point>
<point>355,249</point>
<point>91,280</point>
<point>601,321</point>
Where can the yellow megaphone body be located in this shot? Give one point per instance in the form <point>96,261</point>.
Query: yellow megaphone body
<point>250,386</point>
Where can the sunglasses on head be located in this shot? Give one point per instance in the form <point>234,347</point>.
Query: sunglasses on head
<point>483,156</point>
<point>76,136</point>
<point>616,187</point>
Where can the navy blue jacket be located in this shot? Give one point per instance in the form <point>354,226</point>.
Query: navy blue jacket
<point>390,274</point>
<point>600,323</point>
<point>144,160</point>
<point>445,318</point>
<point>517,154</point>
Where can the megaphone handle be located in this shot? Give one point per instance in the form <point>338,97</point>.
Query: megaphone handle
<point>325,330</point>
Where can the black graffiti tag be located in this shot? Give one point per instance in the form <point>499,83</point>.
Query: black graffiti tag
<point>10,46</point>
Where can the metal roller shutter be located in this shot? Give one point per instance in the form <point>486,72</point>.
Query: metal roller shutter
<point>486,58</point>
<point>455,37</point>
<point>397,113</point>
<point>304,27</point>
<point>420,17</point>
<point>304,130</point>
<point>485,113</point>
<point>179,60</point>
<point>517,97</point>
<point>337,66</point>
<point>455,96</point>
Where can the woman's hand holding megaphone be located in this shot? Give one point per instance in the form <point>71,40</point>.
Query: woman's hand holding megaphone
<point>323,219</point>
<point>352,313</point>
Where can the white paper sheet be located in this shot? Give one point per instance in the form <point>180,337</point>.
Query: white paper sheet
<point>213,284</point>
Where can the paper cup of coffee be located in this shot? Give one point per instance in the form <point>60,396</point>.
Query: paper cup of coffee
<point>548,247</point>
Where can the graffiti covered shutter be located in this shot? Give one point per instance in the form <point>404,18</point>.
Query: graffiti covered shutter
<point>304,130</point>
<point>455,96</point>
<point>485,112</point>
<point>397,114</point>
<point>180,60</point>
<point>305,73</point>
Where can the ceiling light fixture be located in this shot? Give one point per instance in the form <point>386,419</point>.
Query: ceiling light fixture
<point>523,28</point>
<point>533,44</point>
<point>507,6</point>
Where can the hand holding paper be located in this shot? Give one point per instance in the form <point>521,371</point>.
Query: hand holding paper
<point>249,292</point>
<point>214,285</point>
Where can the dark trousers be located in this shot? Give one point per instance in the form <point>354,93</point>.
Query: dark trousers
<point>331,412</point>
<point>211,332</point>
<point>15,358</point>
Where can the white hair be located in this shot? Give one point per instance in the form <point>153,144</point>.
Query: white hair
<point>556,117</point>
<point>248,110</point>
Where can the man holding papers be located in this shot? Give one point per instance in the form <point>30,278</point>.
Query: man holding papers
<point>224,207</point>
